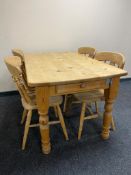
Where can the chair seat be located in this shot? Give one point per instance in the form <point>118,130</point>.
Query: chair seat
<point>90,96</point>
<point>54,100</point>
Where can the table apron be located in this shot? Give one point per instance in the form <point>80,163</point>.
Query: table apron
<point>78,87</point>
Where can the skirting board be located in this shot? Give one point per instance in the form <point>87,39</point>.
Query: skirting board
<point>9,93</point>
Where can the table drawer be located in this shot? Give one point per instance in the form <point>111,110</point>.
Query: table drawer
<point>80,87</point>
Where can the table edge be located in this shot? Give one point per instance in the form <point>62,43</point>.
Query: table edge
<point>74,81</point>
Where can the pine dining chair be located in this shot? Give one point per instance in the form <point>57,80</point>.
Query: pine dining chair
<point>114,59</point>
<point>29,100</point>
<point>30,90</point>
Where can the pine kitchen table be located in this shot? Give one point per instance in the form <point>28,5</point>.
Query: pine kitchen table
<point>66,73</point>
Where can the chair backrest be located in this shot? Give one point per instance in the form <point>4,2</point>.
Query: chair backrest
<point>15,69</point>
<point>87,51</point>
<point>115,59</point>
<point>20,54</point>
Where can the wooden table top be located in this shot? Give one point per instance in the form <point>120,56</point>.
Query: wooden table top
<point>66,67</point>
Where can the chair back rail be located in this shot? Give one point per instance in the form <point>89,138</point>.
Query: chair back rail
<point>87,51</point>
<point>19,53</point>
<point>115,59</point>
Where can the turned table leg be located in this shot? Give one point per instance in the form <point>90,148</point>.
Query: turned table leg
<point>110,95</point>
<point>42,99</point>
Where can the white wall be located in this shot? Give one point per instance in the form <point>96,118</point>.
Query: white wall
<point>58,25</point>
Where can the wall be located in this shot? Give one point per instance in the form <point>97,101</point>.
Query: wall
<point>58,25</point>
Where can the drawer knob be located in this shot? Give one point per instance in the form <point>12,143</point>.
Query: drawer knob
<point>82,85</point>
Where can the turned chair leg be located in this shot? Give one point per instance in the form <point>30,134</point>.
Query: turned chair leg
<point>24,116</point>
<point>27,125</point>
<point>82,119</point>
<point>113,124</point>
<point>62,122</point>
